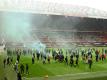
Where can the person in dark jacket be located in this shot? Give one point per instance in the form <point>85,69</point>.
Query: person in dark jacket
<point>66,60</point>
<point>22,68</point>
<point>27,69</point>
<point>19,77</point>
<point>4,62</point>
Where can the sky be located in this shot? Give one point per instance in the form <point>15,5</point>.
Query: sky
<point>98,4</point>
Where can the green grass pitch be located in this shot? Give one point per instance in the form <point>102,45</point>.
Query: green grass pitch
<point>58,71</point>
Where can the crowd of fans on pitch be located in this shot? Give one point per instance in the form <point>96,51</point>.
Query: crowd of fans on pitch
<point>71,57</point>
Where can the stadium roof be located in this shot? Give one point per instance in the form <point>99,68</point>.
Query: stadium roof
<point>80,8</point>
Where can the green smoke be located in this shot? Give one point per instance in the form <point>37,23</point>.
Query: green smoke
<point>16,26</point>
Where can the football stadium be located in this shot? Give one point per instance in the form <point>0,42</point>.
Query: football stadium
<point>53,40</point>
